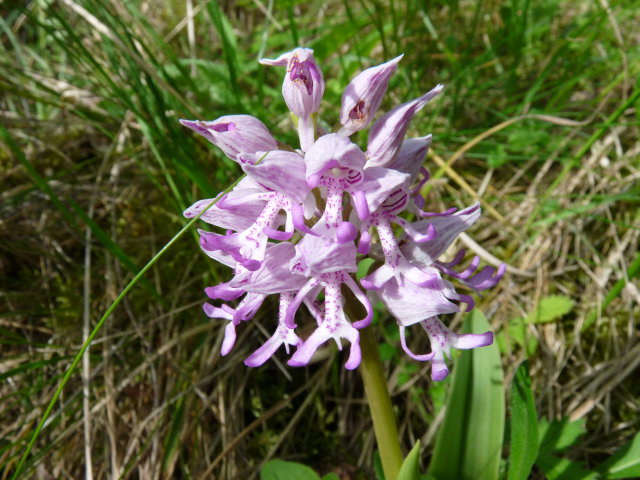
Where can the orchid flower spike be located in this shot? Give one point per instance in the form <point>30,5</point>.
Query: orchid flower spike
<point>298,225</point>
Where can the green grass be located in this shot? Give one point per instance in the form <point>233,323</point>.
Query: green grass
<point>90,142</point>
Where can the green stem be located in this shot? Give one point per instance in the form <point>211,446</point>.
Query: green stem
<point>384,423</point>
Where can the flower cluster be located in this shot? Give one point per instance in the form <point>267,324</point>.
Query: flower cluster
<point>302,219</point>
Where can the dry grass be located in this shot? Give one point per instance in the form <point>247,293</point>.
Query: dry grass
<point>561,209</point>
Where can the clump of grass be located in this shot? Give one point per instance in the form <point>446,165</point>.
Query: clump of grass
<point>539,120</point>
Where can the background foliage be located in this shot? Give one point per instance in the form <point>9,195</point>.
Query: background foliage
<point>539,120</point>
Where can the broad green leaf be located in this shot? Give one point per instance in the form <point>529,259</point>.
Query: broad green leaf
<point>469,443</point>
<point>558,468</point>
<point>556,437</point>
<point>524,426</point>
<point>410,469</point>
<point>281,470</point>
<point>550,308</point>
<point>625,463</point>
<point>559,434</point>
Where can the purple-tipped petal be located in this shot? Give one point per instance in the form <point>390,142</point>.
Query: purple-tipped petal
<point>472,340</point>
<point>361,205</point>
<point>362,97</point>
<point>300,296</point>
<point>224,292</point>
<point>442,340</point>
<point>355,354</point>
<point>403,341</point>
<point>456,260</point>
<point>365,242</point>
<point>229,339</point>
<point>378,278</point>
<point>308,348</point>
<point>485,278</point>
<point>328,329</point>
<point>363,299</point>
<point>277,234</point>
<point>387,133</point>
<point>297,216</point>
<point>216,312</point>
<point>235,134</point>
<point>410,157</point>
<point>448,228</point>
<point>283,335</point>
<point>281,171</point>
<point>439,370</point>
<point>346,232</point>
<point>473,266</point>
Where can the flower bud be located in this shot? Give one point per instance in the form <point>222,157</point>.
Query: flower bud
<point>235,135</point>
<point>362,97</point>
<point>303,84</point>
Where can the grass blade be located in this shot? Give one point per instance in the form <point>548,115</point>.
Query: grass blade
<point>97,328</point>
<point>524,426</point>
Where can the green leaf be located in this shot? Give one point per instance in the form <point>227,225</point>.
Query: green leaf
<point>469,443</point>
<point>331,476</point>
<point>524,425</point>
<point>557,436</point>
<point>517,328</point>
<point>281,470</point>
<point>363,267</point>
<point>410,469</point>
<point>229,44</point>
<point>173,437</point>
<point>550,308</point>
<point>625,463</point>
<point>557,468</point>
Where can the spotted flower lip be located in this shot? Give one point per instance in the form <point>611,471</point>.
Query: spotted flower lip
<point>298,225</point>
